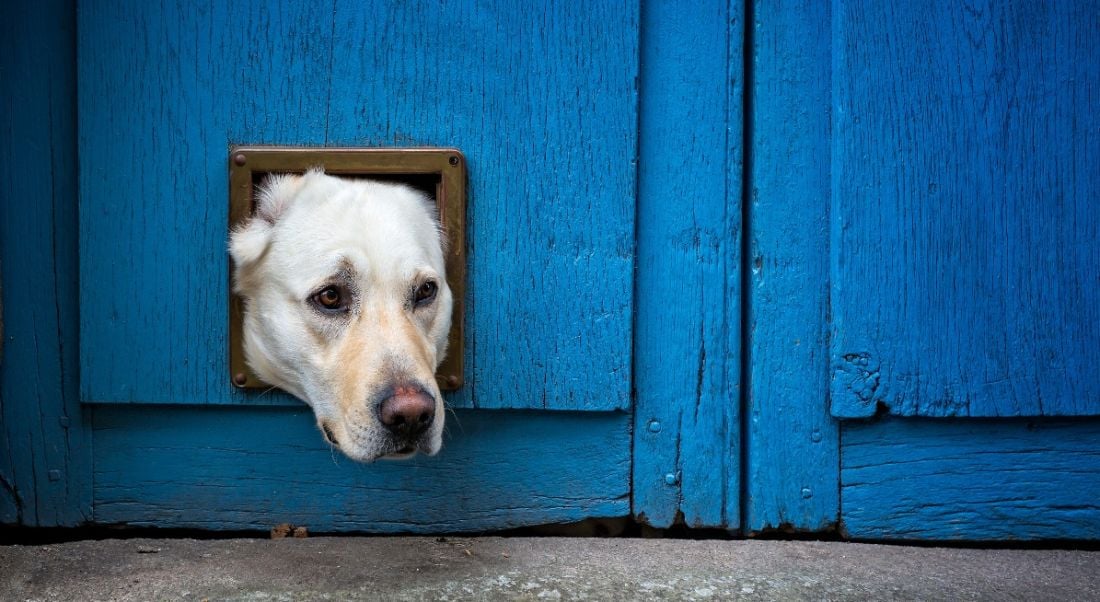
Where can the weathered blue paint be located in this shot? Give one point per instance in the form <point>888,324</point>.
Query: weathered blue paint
<point>960,239</point>
<point>974,479</point>
<point>792,443</point>
<point>686,363</point>
<point>45,473</point>
<point>542,100</point>
<point>966,172</point>
<point>253,468</point>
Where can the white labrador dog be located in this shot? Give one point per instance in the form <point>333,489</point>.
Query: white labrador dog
<point>347,307</point>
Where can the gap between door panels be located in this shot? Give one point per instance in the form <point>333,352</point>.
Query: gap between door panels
<point>734,98</point>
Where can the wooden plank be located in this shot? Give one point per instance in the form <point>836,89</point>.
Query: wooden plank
<point>687,346</point>
<point>965,219</point>
<point>792,444</point>
<point>252,468</point>
<point>44,459</point>
<point>974,480</point>
<point>541,99</point>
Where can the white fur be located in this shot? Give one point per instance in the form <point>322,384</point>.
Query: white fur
<point>382,239</point>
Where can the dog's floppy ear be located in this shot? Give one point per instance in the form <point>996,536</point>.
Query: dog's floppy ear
<point>249,241</point>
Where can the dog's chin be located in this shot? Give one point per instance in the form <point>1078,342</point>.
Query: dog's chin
<point>367,456</point>
<point>390,450</point>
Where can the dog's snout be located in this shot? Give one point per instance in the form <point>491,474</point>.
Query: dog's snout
<point>408,412</point>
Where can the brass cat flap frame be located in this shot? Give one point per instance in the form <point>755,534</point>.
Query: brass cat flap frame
<point>437,171</point>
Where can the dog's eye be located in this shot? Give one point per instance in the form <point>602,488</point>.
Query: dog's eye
<point>425,292</point>
<point>330,298</point>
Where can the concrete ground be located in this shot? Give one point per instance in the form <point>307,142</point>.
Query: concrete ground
<point>495,568</point>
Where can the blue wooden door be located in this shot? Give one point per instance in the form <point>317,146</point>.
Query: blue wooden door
<point>965,267</point>
<point>925,298</point>
<point>798,266</point>
<point>544,103</point>
<point>167,88</point>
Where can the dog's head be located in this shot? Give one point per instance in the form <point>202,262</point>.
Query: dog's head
<point>346,306</point>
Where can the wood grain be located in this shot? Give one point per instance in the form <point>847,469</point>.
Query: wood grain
<point>45,470</point>
<point>966,173</point>
<point>792,444</point>
<point>687,345</point>
<point>541,100</point>
<point>253,468</point>
<point>973,480</point>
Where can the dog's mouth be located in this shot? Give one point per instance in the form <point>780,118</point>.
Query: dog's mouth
<point>405,452</point>
<point>330,437</point>
<point>395,449</point>
<point>401,449</point>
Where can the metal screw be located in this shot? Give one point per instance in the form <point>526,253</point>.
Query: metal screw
<point>671,479</point>
<point>452,381</point>
<point>654,426</point>
<point>806,493</point>
<point>240,379</point>
<point>240,159</point>
<point>64,420</point>
<point>453,160</point>
<point>815,436</point>
<point>55,475</point>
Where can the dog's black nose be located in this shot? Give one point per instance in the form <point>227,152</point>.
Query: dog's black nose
<point>408,413</point>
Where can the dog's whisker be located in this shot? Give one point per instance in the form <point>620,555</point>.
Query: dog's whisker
<point>456,420</point>
<point>267,390</point>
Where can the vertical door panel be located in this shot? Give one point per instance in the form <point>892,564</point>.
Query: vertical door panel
<point>687,362</point>
<point>542,101</point>
<point>791,442</point>
<point>45,468</point>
